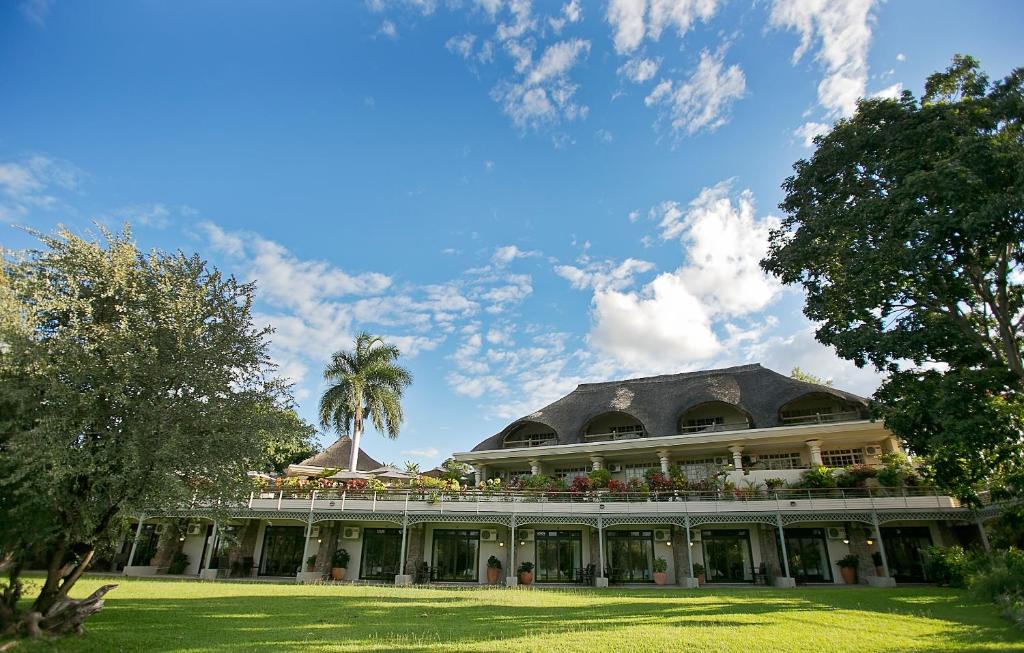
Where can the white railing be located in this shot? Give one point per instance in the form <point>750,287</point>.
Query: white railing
<point>822,418</point>
<point>714,428</point>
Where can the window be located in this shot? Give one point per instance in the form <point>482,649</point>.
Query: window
<point>513,476</point>
<point>517,440</point>
<point>842,457</point>
<point>629,428</point>
<point>703,424</point>
<point>559,556</point>
<point>456,555</point>
<point>569,473</point>
<point>727,556</point>
<point>637,470</point>
<point>700,469</point>
<point>788,460</point>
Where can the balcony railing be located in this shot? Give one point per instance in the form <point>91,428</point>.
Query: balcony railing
<point>714,428</point>
<point>624,435</point>
<point>822,418</point>
<point>603,501</point>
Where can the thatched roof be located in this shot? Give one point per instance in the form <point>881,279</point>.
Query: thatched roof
<point>658,402</point>
<point>336,457</point>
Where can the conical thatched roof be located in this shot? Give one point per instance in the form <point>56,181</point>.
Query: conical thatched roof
<point>336,457</point>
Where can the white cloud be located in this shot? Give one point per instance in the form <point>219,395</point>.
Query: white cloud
<point>703,101</point>
<point>604,275</point>
<point>571,13</point>
<point>557,60</point>
<point>544,94</point>
<point>809,130</point>
<point>843,32</point>
<point>891,92</point>
<point>632,20</point>
<point>604,136</point>
<point>388,29</point>
<point>157,216</point>
<point>35,11</point>
<point>639,69</point>
<point>461,45</point>
<point>431,453</point>
<point>507,253</point>
<point>32,183</point>
<point>901,57</point>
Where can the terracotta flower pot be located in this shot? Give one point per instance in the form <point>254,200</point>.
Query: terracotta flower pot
<point>310,567</point>
<point>660,577</point>
<point>700,579</point>
<point>492,575</point>
<point>880,571</point>
<point>525,577</point>
<point>337,573</point>
<point>849,575</point>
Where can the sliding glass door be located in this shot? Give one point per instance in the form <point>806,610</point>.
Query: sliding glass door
<point>727,556</point>
<point>282,550</point>
<point>631,555</point>
<point>382,547</point>
<point>904,548</point>
<point>559,556</point>
<point>807,549</point>
<point>456,555</point>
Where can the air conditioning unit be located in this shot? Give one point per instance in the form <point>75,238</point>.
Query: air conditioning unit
<point>314,531</point>
<point>695,536</point>
<point>525,534</point>
<point>835,533</point>
<point>662,535</point>
<point>873,450</point>
<point>488,535</point>
<point>194,528</point>
<point>350,533</point>
<point>615,468</point>
<point>160,528</point>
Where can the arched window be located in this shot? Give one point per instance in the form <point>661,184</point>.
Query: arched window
<point>819,408</point>
<point>613,426</point>
<point>713,416</point>
<point>529,434</point>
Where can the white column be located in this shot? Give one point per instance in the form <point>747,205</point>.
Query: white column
<point>814,449</point>
<point>535,467</point>
<point>665,462</point>
<point>596,462</point>
<point>737,457</point>
<point>135,542</point>
<point>210,547</point>
<point>481,474</point>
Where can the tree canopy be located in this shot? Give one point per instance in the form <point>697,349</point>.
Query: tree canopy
<point>905,229</point>
<point>130,382</point>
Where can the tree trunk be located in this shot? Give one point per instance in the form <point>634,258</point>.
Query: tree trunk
<point>65,615</point>
<point>353,457</point>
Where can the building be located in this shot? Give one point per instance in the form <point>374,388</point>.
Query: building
<point>729,436</point>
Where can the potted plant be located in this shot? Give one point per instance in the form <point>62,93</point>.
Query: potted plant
<point>525,573</point>
<point>848,568</point>
<point>493,570</point>
<point>876,558</point>
<point>311,563</point>
<point>339,561</point>
<point>698,571</point>
<point>660,571</point>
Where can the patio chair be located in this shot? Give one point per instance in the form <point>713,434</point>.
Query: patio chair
<point>585,576</point>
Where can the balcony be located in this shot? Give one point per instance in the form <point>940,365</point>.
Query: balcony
<point>821,418</point>
<point>715,428</point>
<point>603,501</point>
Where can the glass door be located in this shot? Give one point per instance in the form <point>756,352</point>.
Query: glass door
<point>631,555</point>
<point>807,549</point>
<point>904,547</point>
<point>282,550</point>
<point>559,556</point>
<point>145,550</point>
<point>382,548</point>
<point>456,555</point>
<point>727,556</point>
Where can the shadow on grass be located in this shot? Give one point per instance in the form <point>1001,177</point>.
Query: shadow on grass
<point>381,619</point>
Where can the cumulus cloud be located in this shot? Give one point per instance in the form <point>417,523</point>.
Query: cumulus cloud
<point>633,20</point>
<point>703,101</point>
<point>842,32</point>
<point>35,183</point>
<point>809,130</point>
<point>604,275</point>
<point>639,69</point>
<point>543,94</point>
<point>507,253</point>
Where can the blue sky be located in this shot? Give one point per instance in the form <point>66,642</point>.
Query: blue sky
<point>523,196</point>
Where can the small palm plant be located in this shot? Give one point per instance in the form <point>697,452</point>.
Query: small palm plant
<point>366,383</point>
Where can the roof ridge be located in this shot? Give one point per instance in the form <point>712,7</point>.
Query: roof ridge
<point>750,367</point>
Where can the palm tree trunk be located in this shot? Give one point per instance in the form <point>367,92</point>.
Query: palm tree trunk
<point>353,456</point>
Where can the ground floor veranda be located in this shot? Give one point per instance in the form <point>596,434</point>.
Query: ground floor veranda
<point>750,548</point>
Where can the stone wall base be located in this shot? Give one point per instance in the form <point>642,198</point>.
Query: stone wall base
<point>511,581</point>
<point>403,579</point>
<point>308,576</point>
<point>140,570</point>
<point>208,574</point>
<point>688,582</point>
<point>600,582</point>
<point>784,581</point>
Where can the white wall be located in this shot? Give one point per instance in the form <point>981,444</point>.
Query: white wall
<point>193,548</point>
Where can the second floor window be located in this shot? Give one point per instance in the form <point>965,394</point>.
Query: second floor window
<point>842,457</point>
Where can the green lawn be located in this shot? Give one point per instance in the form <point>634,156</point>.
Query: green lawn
<point>166,615</point>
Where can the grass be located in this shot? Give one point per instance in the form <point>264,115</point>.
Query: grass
<point>167,615</point>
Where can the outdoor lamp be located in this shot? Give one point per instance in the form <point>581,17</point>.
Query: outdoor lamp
<point>669,543</point>
<point>846,540</point>
<point>870,541</point>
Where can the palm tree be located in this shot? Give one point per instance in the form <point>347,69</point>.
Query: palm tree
<point>365,383</point>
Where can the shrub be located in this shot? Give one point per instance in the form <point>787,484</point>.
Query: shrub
<point>493,563</point>
<point>525,567</point>
<point>355,484</point>
<point>946,566</point>
<point>817,477</point>
<point>1001,576</point>
<point>340,558</point>
<point>774,483</point>
<point>581,485</point>
<point>849,561</point>
<point>855,476</point>
<point>637,486</point>
<point>600,477</point>
<point>660,483</point>
<point>616,487</point>
<point>660,565</point>
<point>896,470</point>
<point>698,569</point>
<point>311,561</point>
<point>178,564</point>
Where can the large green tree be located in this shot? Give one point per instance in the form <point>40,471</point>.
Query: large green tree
<point>130,382</point>
<point>365,383</point>
<point>905,229</point>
